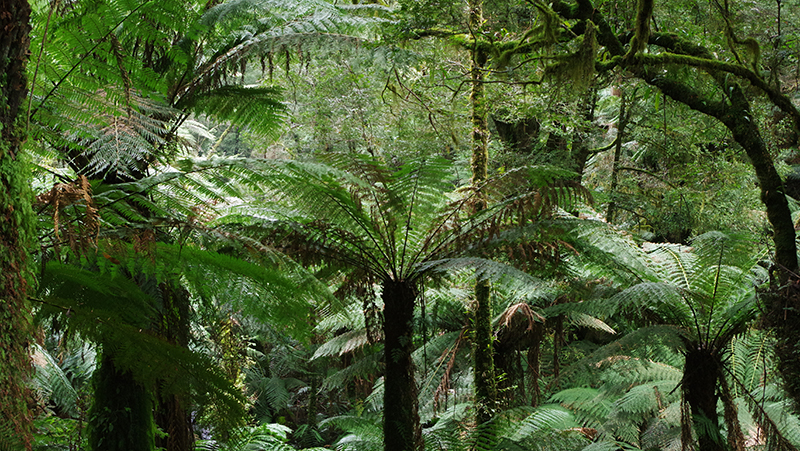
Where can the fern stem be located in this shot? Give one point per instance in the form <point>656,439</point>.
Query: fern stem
<point>85,55</point>
<point>53,6</point>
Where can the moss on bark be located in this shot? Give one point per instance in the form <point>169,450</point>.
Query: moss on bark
<point>16,229</point>
<point>485,382</point>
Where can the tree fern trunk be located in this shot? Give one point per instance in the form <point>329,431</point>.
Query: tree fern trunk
<point>16,229</point>
<point>701,371</point>
<point>401,428</point>
<point>121,418</point>
<point>171,413</point>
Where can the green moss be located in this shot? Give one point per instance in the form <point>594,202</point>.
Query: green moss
<point>16,276</point>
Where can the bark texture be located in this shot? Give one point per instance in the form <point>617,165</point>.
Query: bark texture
<point>121,418</point>
<point>16,229</point>
<point>701,372</point>
<point>171,413</point>
<point>401,428</point>
<point>485,382</point>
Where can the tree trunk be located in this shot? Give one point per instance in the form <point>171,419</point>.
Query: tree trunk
<point>121,418</point>
<point>485,383</point>
<point>401,428</point>
<point>701,371</point>
<point>621,124</point>
<point>171,413</point>
<point>16,229</point>
<point>534,363</point>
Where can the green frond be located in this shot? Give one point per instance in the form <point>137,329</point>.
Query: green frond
<point>68,286</point>
<point>750,355</point>
<point>437,361</point>
<point>265,437</point>
<point>664,432</point>
<point>660,343</point>
<point>257,108</point>
<point>608,252</point>
<point>717,248</point>
<point>644,401</point>
<point>343,344</point>
<point>544,428</point>
<point>349,317</point>
<point>584,320</point>
<point>588,404</point>
<point>620,374</point>
<point>675,263</point>
<point>278,391</point>
<point>518,285</point>
<point>279,295</point>
<point>448,430</point>
<point>651,301</point>
<point>603,445</point>
<point>51,382</point>
<point>362,368</point>
<point>361,432</point>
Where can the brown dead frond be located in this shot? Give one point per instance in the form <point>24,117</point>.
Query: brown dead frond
<point>144,242</point>
<point>520,314</point>
<point>80,230</point>
<point>448,357</point>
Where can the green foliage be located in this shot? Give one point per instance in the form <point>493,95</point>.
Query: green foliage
<point>256,108</point>
<point>266,437</point>
<point>54,433</point>
<point>117,83</point>
<point>115,309</point>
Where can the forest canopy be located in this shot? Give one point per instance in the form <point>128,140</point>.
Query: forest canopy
<point>399,225</point>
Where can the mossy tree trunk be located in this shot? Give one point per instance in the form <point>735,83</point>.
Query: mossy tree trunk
<point>485,382</point>
<point>16,229</point>
<point>401,428</point>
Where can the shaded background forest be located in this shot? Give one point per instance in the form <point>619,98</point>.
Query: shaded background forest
<point>409,225</point>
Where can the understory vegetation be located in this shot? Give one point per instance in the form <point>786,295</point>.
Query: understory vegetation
<point>400,225</point>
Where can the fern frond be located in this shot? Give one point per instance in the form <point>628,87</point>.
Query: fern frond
<point>518,285</point>
<point>342,344</point>
<point>361,432</point>
<point>52,383</point>
<point>589,404</point>
<point>363,368</point>
<point>257,108</point>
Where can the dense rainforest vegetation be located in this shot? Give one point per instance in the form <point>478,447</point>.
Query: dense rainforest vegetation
<point>399,225</point>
